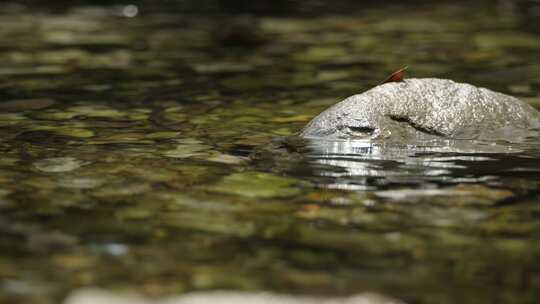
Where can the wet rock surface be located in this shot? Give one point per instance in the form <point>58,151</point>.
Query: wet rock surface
<point>423,109</point>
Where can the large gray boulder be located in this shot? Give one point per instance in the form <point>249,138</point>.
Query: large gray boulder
<point>423,109</point>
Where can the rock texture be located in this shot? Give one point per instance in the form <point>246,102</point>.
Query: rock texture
<point>426,108</point>
<point>94,296</point>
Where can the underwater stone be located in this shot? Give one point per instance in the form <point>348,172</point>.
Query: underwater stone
<point>258,185</point>
<point>59,164</point>
<point>92,295</point>
<point>426,108</point>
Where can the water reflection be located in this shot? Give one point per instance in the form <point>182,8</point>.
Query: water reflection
<point>118,171</point>
<point>365,165</point>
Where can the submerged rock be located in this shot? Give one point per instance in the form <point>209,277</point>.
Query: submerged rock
<point>59,164</point>
<point>427,108</point>
<point>258,185</point>
<point>88,296</point>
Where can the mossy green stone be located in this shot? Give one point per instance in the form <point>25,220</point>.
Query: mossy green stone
<point>258,185</point>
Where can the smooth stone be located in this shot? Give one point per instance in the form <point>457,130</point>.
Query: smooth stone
<point>59,164</point>
<point>426,108</point>
<point>25,104</point>
<point>91,296</point>
<point>258,185</point>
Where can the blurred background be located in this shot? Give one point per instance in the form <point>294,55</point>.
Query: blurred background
<point>128,129</point>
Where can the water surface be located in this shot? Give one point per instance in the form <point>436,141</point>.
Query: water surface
<point>127,148</point>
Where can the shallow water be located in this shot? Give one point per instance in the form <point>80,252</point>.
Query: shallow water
<point>144,153</point>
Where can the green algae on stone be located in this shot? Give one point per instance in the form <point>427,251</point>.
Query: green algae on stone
<point>9,119</point>
<point>174,116</point>
<point>41,182</point>
<point>76,182</point>
<point>226,159</point>
<point>7,160</point>
<point>119,138</point>
<point>66,130</point>
<point>55,115</point>
<point>92,111</point>
<point>258,185</point>
<point>202,203</point>
<point>162,135</point>
<point>120,189</point>
<point>96,111</point>
<point>20,105</point>
<point>59,164</point>
<point>295,118</point>
<point>283,132</point>
<point>220,223</point>
<point>187,148</point>
<point>155,172</point>
<point>118,59</point>
<point>222,67</point>
<point>133,213</point>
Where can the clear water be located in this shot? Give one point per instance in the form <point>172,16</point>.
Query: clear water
<point>143,153</point>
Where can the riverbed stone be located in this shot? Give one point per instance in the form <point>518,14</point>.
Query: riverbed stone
<point>84,296</point>
<point>59,164</point>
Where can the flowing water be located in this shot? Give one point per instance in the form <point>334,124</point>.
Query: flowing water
<point>141,149</point>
